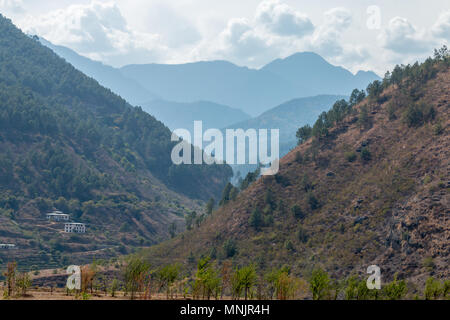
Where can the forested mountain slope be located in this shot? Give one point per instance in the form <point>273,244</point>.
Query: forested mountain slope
<point>67,143</point>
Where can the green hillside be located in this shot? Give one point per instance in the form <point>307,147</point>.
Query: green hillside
<point>67,143</point>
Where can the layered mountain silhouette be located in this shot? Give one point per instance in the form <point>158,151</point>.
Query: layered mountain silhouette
<point>291,115</point>
<point>182,115</point>
<point>253,91</point>
<point>287,118</point>
<point>107,76</point>
<point>314,75</point>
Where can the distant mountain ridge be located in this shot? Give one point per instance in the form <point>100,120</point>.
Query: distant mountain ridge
<point>291,115</point>
<point>287,118</point>
<point>107,76</point>
<point>182,115</point>
<point>253,91</point>
<point>322,77</point>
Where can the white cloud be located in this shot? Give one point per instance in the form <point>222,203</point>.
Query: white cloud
<point>283,20</point>
<point>338,18</point>
<point>242,43</point>
<point>327,40</point>
<point>441,29</point>
<point>250,33</point>
<point>97,30</point>
<point>402,37</point>
<point>11,6</point>
<point>175,29</point>
<point>275,30</point>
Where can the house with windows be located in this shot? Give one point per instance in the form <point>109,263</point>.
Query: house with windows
<point>7,246</point>
<point>74,227</point>
<point>58,216</point>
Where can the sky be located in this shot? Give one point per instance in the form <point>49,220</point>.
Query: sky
<point>358,35</point>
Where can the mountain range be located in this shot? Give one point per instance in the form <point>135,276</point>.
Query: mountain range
<point>182,115</point>
<point>253,91</point>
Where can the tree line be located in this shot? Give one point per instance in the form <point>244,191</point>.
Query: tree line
<point>138,280</point>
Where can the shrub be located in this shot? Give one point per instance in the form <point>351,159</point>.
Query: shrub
<point>268,220</point>
<point>432,289</point>
<point>243,279</point>
<point>297,212</point>
<point>255,219</point>
<point>418,114</point>
<point>320,285</point>
<point>289,246</point>
<point>298,157</point>
<point>302,236</point>
<point>428,263</point>
<point>269,199</point>
<point>365,154</point>
<point>391,112</point>
<point>134,274</point>
<point>413,116</point>
<point>304,133</point>
<point>350,156</point>
<point>363,119</point>
<point>446,288</point>
<point>395,290</point>
<point>23,283</point>
<point>114,287</point>
<point>313,202</point>
<point>438,129</point>
<point>230,248</point>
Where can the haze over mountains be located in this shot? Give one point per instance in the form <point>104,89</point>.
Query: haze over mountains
<point>224,95</point>
<point>290,116</point>
<point>253,91</point>
<point>182,115</point>
<point>107,76</point>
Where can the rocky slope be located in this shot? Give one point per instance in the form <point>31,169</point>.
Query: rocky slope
<point>374,190</point>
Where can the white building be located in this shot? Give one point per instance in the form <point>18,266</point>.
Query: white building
<point>7,246</point>
<point>57,216</point>
<point>73,227</point>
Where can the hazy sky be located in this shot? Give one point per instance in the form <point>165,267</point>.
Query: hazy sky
<point>355,34</point>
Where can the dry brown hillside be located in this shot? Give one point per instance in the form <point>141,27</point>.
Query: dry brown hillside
<point>391,210</point>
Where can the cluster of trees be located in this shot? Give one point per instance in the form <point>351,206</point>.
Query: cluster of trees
<point>138,280</point>
<point>408,79</point>
<point>230,191</point>
<point>328,119</point>
<point>16,283</point>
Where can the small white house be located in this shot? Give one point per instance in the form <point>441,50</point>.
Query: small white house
<point>73,227</point>
<point>7,246</point>
<point>57,216</point>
